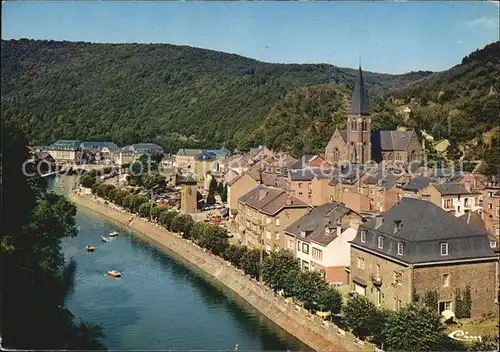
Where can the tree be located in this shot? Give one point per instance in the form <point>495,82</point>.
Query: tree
<point>152,179</point>
<point>414,328</point>
<point>360,314</point>
<point>214,238</point>
<point>430,299</point>
<point>330,300</point>
<point>182,224</point>
<point>87,181</point>
<point>250,263</point>
<point>144,210</point>
<point>211,192</point>
<point>155,212</point>
<point>234,254</point>
<point>223,195</point>
<point>275,268</point>
<point>308,287</point>
<point>165,218</point>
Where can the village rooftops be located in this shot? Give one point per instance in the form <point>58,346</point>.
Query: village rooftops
<point>99,145</point>
<point>189,152</point>
<point>314,224</point>
<point>270,200</point>
<point>142,148</point>
<point>418,183</point>
<point>419,232</point>
<point>65,145</point>
<point>307,174</point>
<point>452,189</point>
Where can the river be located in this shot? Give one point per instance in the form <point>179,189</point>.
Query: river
<point>158,303</point>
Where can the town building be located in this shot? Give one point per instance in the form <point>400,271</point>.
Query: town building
<point>238,187</point>
<point>263,214</point>
<point>358,144</point>
<point>189,193</point>
<point>100,152</point>
<point>185,159</point>
<point>320,240</point>
<point>311,185</point>
<point>416,248</point>
<point>66,151</point>
<point>454,198</point>
<point>491,209</point>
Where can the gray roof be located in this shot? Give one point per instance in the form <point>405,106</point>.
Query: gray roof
<point>307,174</point>
<point>98,145</point>
<point>270,200</point>
<point>389,181</point>
<point>418,183</point>
<point>359,100</point>
<point>189,152</point>
<point>395,140</point>
<point>449,189</point>
<point>65,144</point>
<point>424,227</point>
<point>147,148</point>
<point>314,223</point>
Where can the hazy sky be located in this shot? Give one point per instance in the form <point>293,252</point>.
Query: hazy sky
<point>389,37</point>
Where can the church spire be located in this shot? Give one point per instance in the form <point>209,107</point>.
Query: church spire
<point>359,101</point>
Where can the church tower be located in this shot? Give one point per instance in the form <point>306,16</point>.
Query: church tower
<point>359,124</point>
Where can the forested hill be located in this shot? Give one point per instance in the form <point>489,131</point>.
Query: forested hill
<point>461,103</point>
<point>181,96</point>
<point>172,95</point>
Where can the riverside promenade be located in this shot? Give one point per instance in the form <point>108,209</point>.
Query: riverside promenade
<point>310,329</point>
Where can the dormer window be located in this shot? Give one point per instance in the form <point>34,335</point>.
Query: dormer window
<point>400,248</point>
<point>380,242</point>
<point>493,244</point>
<point>363,236</point>
<point>444,249</point>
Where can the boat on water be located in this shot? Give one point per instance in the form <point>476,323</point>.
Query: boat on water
<point>104,239</point>
<point>114,273</point>
<point>89,248</point>
<point>113,234</point>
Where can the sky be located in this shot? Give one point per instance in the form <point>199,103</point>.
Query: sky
<point>389,37</point>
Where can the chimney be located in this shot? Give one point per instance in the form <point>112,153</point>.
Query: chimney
<point>378,220</point>
<point>339,227</point>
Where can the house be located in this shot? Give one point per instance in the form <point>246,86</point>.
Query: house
<point>239,186</point>
<point>101,152</point>
<point>66,151</point>
<point>454,198</point>
<point>358,144</point>
<point>384,189</point>
<point>418,187</point>
<point>320,240</point>
<point>474,219</point>
<point>469,180</point>
<point>185,159</point>
<point>260,153</point>
<point>263,214</point>
<point>346,187</point>
<point>309,185</point>
<point>491,209</point>
<point>129,153</point>
<point>416,248</point>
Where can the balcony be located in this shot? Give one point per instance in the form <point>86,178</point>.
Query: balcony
<point>376,280</point>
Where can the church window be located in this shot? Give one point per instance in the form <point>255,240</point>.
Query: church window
<point>365,125</point>
<point>353,125</point>
<point>398,157</point>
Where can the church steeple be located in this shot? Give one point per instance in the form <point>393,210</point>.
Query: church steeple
<point>359,101</point>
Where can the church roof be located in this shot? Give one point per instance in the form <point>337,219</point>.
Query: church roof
<point>395,140</point>
<point>359,100</point>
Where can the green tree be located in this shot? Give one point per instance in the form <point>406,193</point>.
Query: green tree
<point>414,328</point>
<point>152,179</point>
<point>275,268</point>
<point>144,210</point>
<point>250,263</point>
<point>166,217</point>
<point>360,314</point>
<point>214,238</point>
<point>430,299</point>
<point>182,224</point>
<point>234,254</point>
<point>223,195</point>
<point>155,212</point>
<point>211,192</point>
<point>87,181</point>
<point>309,286</point>
<point>330,300</point>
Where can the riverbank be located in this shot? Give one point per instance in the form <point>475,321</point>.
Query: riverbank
<point>310,329</point>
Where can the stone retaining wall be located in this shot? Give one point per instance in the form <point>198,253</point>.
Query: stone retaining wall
<point>310,329</point>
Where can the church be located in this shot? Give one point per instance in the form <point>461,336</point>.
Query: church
<point>358,144</point>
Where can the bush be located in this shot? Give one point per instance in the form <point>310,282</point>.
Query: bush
<point>87,181</point>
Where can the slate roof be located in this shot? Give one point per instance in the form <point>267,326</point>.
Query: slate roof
<point>219,153</point>
<point>98,145</point>
<point>316,221</point>
<point>204,156</point>
<point>65,144</point>
<point>147,148</point>
<point>389,181</point>
<point>394,140</point>
<point>186,180</point>
<point>307,174</point>
<point>474,219</point>
<point>359,99</point>
<point>188,152</point>
<point>424,227</point>
<point>450,189</point>
<point>270,200</point>
<point>417,183</point>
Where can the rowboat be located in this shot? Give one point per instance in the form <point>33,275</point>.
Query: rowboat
<point>114,234</point>
<point>104,239</point>
<point>89,248</point>
<point>114,273</point>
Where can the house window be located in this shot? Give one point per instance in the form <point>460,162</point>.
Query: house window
<point>395,300</point>
<point>490,206</point>
<point>300,185</point>
<point>353,125</point>
<point>466,202</point>
<point>378,270</point>
<point>305,248</point>
<point>300,193</point>
<point>398,278</point>
<point>445,305</point>
<point>317,253</point>
<point>268,220</point>
<point>277,221</point>
<point>361,263</point>
<point>497,231</point>
<point>400,248</point>
<point>497,211</point>
<point>305,265</point>
<point>290,243</point>
<point>380,242</point>
<point>268,235</point>
<point>277,236</point>
<point>444,249</point>
<point>448,203</point>
<point>363,236</point>
<point>446,280</point>
<point>379,297</point>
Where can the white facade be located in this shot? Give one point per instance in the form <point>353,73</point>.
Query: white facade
<point>336,254</point>
<point>461,204</point>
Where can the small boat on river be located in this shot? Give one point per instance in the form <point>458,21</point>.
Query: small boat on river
<point>113,234</point>
<point>90,248</point>
<point>104,239</point>
<point>114,274</point>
